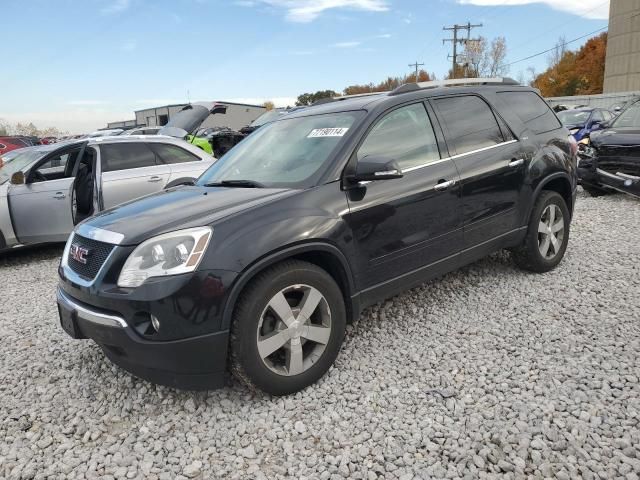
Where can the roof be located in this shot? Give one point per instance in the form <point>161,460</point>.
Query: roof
<point>223,102</point>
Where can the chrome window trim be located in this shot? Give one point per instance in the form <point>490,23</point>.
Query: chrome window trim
<point>460,155</point>
<point>90,315</point>
<point>99,234</point>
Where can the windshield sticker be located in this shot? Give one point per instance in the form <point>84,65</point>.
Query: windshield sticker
<point>327,132</point>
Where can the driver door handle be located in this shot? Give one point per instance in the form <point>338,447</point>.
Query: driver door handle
<point>155,178</point>
<point>443,185</point>
<point>59,196</point>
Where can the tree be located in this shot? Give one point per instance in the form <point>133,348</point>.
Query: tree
<point>574,73</point>
<point>269,105</point>
<point>386,85</point>
<point>310,98</point>
<point>483,59</point>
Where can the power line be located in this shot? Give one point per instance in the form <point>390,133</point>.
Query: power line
<point>559,45</point>
<point>456,40</point>
<point>416,65</point>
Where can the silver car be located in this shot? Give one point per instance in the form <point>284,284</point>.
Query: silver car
<point>45,190</point>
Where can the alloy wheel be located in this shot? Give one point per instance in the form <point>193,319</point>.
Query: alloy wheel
<point>294,330</point>
<point>550,232</point>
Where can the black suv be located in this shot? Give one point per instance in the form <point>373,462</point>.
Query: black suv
<point>312,218</point>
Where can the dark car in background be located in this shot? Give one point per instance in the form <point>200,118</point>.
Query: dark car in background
<point>582,121</point>
<point>312,218</point>
<point>611,161</point>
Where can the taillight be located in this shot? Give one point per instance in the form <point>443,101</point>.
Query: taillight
<point>574,145</point>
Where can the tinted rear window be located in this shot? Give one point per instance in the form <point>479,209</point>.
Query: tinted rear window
<point>532,110</point>
<point>126,155</point>
<point>471,124</point>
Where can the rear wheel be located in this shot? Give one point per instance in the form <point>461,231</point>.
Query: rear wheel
<point>287,329</point>
<point>547,235</point>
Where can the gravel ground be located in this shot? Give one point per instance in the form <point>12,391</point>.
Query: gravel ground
<point>489,372</point>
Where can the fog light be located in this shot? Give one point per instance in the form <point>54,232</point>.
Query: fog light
<point>155,323</point>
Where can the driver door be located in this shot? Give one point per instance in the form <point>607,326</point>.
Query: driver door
<point>41,208</point>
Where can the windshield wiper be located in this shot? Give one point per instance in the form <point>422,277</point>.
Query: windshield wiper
<point>236,183</point>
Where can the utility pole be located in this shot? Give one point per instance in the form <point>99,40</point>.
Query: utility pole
<point>416,65</point>
<point>457,40</point>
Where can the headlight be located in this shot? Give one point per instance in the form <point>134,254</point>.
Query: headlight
<point>168,254</point>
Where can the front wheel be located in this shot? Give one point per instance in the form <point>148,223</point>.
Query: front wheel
<point>547,235</point>
<point>288,326</point>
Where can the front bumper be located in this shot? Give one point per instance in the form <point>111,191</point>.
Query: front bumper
<point>196,360</point>
<point>621,182</point>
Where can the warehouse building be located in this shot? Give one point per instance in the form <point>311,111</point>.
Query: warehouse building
<point>622,67</point>
<point>238,115</point>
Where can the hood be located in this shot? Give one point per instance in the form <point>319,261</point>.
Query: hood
<point>180,207</point>
<point>616,136</point>
<point>188,119</point>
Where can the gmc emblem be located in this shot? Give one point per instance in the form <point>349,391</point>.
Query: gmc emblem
<point>79,254</point>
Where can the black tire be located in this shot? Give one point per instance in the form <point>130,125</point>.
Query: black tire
<point>245,361</point>
<point>528,255</point>
<point>595,191</point>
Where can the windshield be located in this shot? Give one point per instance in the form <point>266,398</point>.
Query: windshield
<point>18,160</point>
<point>266,117</point>
<point>574,117</point>
<point>630,118</point>
<point>288,153</point>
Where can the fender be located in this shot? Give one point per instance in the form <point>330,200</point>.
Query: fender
<point>248,273</point>
<point>545,181</point>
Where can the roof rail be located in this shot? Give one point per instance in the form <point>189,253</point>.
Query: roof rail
<point>411,87</point>
<point>344,97</point>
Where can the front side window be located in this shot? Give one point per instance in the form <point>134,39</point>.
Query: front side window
<point>289,153</point>
<point>124,156</point>
<point>405,135</point>
<point>471,124</point>
<point>168,154</point>
<point>597,116</point>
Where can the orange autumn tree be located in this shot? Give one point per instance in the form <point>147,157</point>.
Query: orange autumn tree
<point>389,84</point>
<point>575,73</point>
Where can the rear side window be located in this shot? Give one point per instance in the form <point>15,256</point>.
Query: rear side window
<point>124,156</point>
<point>168,154</point>
<point>532,110</point>
<point>471,124</point>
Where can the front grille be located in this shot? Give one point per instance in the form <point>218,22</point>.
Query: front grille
<point>619,165</point>
<point>98,253</point>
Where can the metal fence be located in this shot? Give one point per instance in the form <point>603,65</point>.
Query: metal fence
<point>606,100</point>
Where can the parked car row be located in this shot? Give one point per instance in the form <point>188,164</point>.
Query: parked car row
<point>258,266</point>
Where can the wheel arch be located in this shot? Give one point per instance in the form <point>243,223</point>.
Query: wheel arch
<point>324,255</point>
<point>558,182</point>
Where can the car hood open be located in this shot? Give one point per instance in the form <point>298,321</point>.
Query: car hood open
<point>188,119</point>
<point>180,207</point>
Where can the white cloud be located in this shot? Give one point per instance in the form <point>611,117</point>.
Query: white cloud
<point>308,10</point>
<point>116,6</point>
<point>346,44</point>
<point>594,9</point>
<point>384,35</point>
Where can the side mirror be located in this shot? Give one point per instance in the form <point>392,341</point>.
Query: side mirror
<point>18,178</point>
<point>376,167</point>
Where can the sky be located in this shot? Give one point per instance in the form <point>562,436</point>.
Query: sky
<point>78,64</point>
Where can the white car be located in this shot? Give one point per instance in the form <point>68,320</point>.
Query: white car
<point>45,190</point>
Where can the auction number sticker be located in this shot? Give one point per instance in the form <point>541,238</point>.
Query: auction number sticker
<point>327,132</point>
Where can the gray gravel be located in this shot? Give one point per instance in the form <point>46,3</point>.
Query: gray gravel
<point>488,372</point>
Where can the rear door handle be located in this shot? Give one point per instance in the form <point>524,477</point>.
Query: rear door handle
<point>516,162</point>
<point>59,196</point>
<point>443,185</point>
<point>155,178</point>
